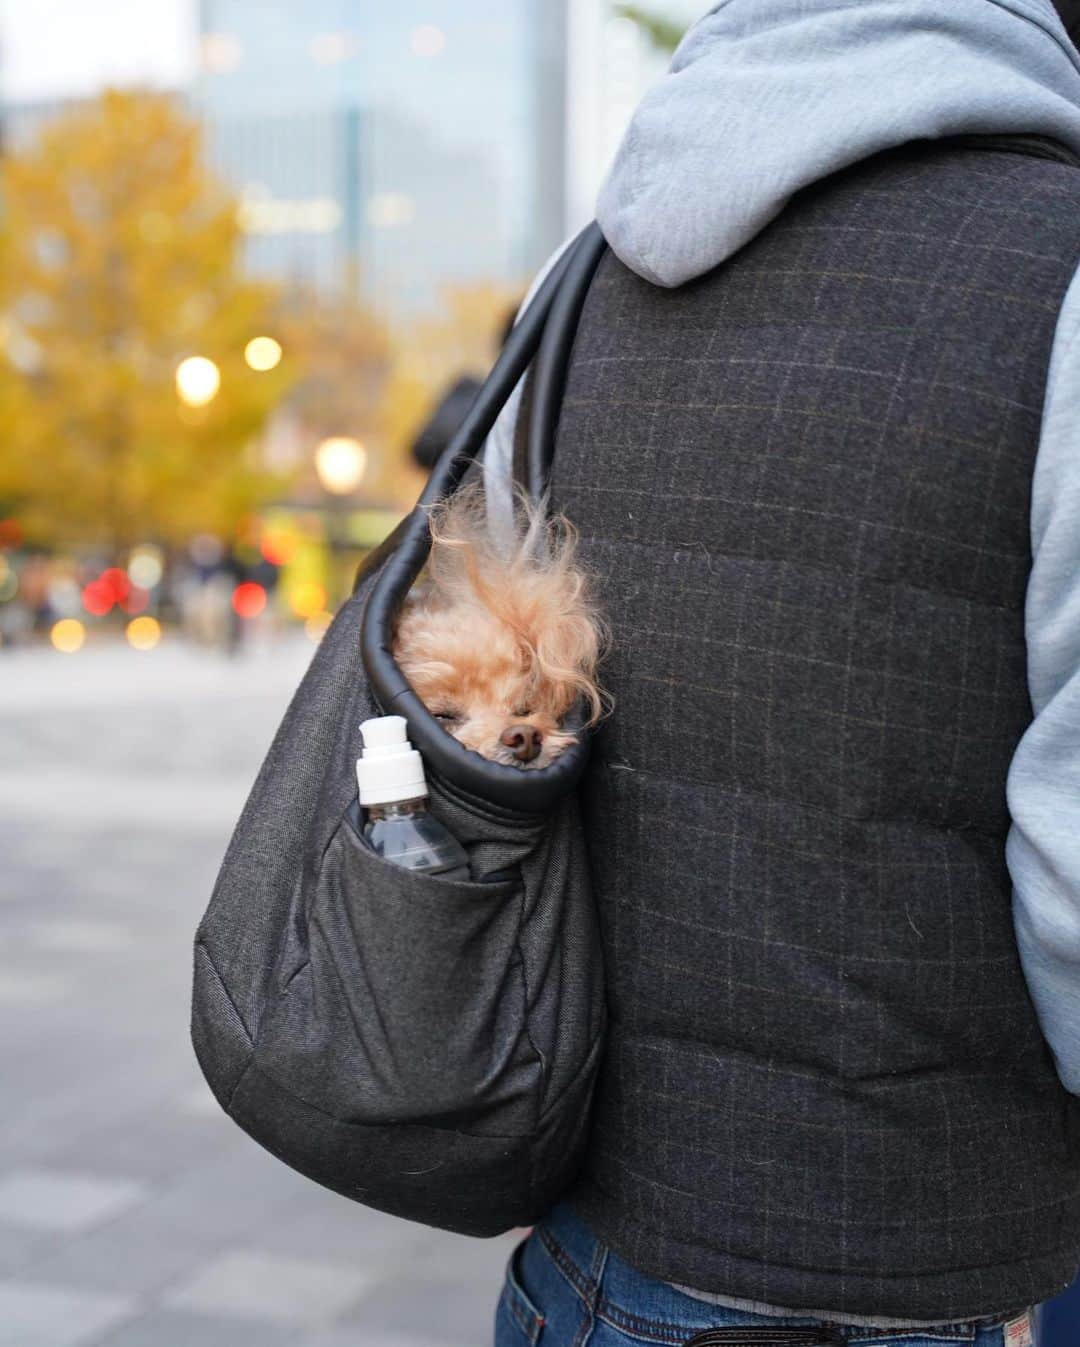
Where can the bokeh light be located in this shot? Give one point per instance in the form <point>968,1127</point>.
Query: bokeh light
<point>340,463</point>
<point>221,52</point>
<point>145,567</point>
<point>136,601</point>
<point>206,550</point>
<point>278,544</point>
<point>97,598</point>
<point>64,595</point>
<point>197,380</point>
<point>427,40</point>
<point>317,624</point>
<point>306,598</point>
<point>116,582</point>
<point>263,353</point>
<point>9,581</point>
<point>11,533</point>
<point>67,635</point>
<point>109,590</point>
<point>143,633</point>
<point>248,599</point>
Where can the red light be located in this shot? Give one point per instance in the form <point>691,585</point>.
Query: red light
<point>249,599</point>
<point>136,600</point>
<point>97,598</point>
<point>11,534</point>
<point>115,583</point>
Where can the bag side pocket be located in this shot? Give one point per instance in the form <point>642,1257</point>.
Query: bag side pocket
<point>411,1005</point>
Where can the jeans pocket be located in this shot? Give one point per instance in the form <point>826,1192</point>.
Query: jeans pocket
<point>517,1319</point>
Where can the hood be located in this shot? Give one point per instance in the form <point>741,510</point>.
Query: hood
<point>765,97</point>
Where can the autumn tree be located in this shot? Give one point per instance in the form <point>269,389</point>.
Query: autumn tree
<point>120,255</point>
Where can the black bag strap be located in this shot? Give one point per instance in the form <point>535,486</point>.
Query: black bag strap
<point>546,330</point>
<point>1036,147</point>
<point>548,373</point>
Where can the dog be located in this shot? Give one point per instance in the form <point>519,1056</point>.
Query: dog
<point>500,638</point>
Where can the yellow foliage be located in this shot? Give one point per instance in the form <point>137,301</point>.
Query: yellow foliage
<point>120,257</point>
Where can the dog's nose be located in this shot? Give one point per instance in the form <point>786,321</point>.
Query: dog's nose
<point>523,740</point>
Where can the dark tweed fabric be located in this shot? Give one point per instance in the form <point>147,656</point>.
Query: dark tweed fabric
<point>805,482</point>
<point>426,1046</point>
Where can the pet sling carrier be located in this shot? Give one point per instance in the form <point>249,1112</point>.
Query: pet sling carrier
<point>425,1046</point>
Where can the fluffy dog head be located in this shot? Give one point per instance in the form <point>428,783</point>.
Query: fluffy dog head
<point>499,641</point>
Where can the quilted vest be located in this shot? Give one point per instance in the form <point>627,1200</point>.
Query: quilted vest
<point>804,481</point>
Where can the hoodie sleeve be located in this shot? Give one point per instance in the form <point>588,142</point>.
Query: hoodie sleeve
<point>1043,849</point>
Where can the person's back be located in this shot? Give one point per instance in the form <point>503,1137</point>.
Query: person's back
<point>824,1076</point>
<point>806,478</point>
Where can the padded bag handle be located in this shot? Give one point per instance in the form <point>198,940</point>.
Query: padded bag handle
<point>425,1046</point>
<point>547,328</point>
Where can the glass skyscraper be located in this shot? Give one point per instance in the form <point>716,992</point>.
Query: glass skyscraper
<point>405,144</point>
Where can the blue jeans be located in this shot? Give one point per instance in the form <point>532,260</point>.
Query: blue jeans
<point>564,1288</point>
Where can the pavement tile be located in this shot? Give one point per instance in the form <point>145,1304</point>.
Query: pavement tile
<point>321,1224</point>
<point>442,1257</point>
<point>374,1336</point>
<point>117,1258</point>
<point>255,1285</point>
<point>99,1068</point>
<point>461,1314</point>
<point>37,1315</point>
<point>73,936</point>
<point>31,989</point>
<point>176,1328</point>
<point>152,1146</point>
<point>19,1246</point>
<point>198,1210</point>
<point>199,1102</point>
<point>61,1200</point>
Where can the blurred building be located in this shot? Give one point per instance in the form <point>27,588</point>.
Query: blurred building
<point>610,63</point>
<point>398,147</point>
<point>405,145</point>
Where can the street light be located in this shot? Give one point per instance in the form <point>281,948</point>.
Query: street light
<point>263,353</point>
<point>340,462</point>
<point>197,381</point>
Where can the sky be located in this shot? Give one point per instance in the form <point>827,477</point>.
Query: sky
<point>52,48</point>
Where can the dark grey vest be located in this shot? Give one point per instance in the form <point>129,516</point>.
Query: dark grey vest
<point>805,480</point>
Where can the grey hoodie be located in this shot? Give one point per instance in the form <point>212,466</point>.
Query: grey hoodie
<point>767,96</point>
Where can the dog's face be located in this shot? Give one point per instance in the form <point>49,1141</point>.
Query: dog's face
<point>476,676</point>
<point>499,647</point>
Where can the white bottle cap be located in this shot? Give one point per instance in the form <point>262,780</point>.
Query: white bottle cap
<point>390,769</point>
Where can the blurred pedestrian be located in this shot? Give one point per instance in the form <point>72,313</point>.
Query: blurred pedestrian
<point>450,412</point>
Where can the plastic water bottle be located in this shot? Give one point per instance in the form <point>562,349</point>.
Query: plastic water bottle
<point>393,793</point>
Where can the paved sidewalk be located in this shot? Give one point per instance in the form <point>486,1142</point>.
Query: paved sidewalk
<point>132,1213</point>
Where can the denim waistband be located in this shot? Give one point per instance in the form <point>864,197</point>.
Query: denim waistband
<point>625,1291</point>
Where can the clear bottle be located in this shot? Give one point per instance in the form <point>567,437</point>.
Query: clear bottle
<point>397,824</point>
